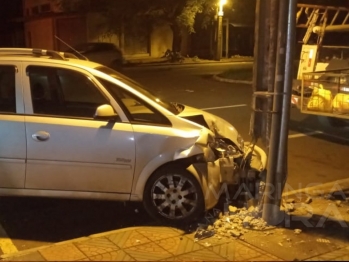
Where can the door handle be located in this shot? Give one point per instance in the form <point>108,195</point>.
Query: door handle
<point>41,136</point>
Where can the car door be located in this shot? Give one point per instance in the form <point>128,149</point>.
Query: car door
<point>67,148</point>
<point>12,129</point>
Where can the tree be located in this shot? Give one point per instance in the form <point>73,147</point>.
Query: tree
<point>178,14</point>
<point>243,12</point>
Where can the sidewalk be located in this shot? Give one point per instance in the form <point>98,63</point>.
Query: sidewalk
<point>315,228</point>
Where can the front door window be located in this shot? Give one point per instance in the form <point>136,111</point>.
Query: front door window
<point>63,92</point>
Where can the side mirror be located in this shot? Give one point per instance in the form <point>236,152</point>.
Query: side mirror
<point>105,112</point>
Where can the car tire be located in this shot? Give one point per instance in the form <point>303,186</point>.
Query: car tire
<point>173,195</point>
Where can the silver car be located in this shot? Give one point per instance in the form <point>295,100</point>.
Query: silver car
<point>71,128</point>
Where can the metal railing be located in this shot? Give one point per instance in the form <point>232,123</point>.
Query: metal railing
<point>326,93</point>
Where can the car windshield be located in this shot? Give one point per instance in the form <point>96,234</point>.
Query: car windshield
<point>172,107</point>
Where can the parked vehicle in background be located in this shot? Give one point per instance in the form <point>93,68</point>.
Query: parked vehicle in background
<point>77,129</point>
<point>322,87</point>
<point>103,53</point>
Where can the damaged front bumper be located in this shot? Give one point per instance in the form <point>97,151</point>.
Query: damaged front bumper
<point>252,163</point>
<point>225,167</point>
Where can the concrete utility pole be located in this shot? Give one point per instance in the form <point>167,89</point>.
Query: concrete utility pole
<point>274,48</point>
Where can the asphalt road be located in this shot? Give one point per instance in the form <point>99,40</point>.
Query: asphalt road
<point>316,154</point>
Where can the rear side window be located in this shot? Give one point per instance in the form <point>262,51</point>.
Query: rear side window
<point>7,89</point>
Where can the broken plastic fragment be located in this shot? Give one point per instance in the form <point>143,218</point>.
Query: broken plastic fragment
<point>202,234</point>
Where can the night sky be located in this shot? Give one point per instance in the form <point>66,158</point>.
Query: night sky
<point>10,8</point>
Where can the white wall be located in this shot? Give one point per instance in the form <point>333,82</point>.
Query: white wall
<point>97,33</point>
<point>161,40</point>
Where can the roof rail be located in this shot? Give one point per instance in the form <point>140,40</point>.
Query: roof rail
<point>34,52</point>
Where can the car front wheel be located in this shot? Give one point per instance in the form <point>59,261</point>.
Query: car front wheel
<point>173,195</point>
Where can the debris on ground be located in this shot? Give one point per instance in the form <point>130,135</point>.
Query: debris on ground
<point>329,197</point>
<point>323,240</point>
<point>338,203</point>
<point>289,207</point>
<point>308,200</point>
<point>290,200</point>
<point>233,209</point>
<point>297,231</point>
<point>235,233</point>
<point>202,234</point>
<point>235,223</point>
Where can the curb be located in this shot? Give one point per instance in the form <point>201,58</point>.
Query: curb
<point>317,190</point>
<point>322,189</point>
<point>233,81</point>
<point>153,64</point>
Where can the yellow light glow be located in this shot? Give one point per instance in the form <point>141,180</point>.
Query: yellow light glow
<point>222,2</point>
<point>311,53</point>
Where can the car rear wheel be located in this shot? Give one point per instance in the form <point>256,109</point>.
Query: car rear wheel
<point>173,195</point>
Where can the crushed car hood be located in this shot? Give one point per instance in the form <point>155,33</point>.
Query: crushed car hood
<point>219,126</point>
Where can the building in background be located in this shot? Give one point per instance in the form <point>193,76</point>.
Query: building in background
<point>43,19</point>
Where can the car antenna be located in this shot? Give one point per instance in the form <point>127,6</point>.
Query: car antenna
<point>69,46</point>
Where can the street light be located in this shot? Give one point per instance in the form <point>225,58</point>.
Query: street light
<point>219,30</point>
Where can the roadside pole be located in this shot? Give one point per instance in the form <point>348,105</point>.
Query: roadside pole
<point>274,38</point>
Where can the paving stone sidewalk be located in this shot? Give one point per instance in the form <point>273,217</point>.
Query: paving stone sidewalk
<point>316,230</point>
